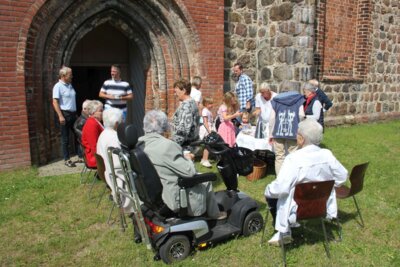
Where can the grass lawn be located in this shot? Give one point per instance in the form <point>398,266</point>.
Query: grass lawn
<point>49,221</point>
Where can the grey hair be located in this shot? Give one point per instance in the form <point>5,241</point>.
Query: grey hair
<point>155,121</point>
<point>63,71</point>
<point>311,131</point>
<point>196,81</point>
<point>86,103</point>
<point>111,116</point>
<point>264,87</point>
<point>310,87</point>
<point>93,106</point>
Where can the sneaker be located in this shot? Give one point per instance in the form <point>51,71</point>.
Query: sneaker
<point>222,215</point>
<point>69,163</point>
<point>80,160</point>
<point>205,163</point>
<point>278,237</point>
<point>295,225</point>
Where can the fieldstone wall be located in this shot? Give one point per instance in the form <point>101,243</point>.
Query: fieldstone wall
<point>284,43</point>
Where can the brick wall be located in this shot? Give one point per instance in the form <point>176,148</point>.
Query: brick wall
<point>179,38</point>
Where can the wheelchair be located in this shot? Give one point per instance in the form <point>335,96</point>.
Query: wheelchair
<point>173,236</point>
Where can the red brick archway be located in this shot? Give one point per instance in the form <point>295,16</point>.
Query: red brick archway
<point>164,33</point>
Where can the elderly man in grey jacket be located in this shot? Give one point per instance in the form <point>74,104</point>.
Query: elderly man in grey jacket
<point>170,163</point>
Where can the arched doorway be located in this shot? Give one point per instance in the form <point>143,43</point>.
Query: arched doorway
<point>91,60</point>
<point>161,47</point>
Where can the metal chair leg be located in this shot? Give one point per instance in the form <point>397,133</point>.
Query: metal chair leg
<point>101,196</point>
<point>326,244</point>
<point>93,182</point>
<point>283,249</point>
<point>264,227</point>
<point>83,171</point>
<point>359,212</point>
<point>109,215</point>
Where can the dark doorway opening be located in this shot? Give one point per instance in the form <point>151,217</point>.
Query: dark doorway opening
<point>87,82</point>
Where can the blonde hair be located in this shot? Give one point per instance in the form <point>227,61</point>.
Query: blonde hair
<point>231,101</point>
<point>246,114</point>
<point>207,100</point>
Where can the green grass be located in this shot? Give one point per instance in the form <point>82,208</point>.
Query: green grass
<point>49,221</point>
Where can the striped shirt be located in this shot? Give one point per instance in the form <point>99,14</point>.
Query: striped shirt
<point>116,88</point>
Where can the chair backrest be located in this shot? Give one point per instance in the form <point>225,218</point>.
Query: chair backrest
<point>148,183</point>
<point>311,199</point>
<point>357,178</point>
<point>101,168</point>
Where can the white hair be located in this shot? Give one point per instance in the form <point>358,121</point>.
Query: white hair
<point>264,87</point>
<point>63,71</point>
<point>112,117</point>
<point>85,103</point>
<point>310,87</point>
<point>93,106</point>
<point>311,131</point>
<point>155,121</point>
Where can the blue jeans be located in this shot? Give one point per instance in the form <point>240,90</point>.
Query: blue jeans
<point>66,128</point>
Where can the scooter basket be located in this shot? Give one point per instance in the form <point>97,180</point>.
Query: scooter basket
<point>243,159</point>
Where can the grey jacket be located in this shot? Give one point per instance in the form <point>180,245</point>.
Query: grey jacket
<point>170,164</point>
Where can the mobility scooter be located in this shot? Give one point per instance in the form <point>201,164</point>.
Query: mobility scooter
<point>173,235</point>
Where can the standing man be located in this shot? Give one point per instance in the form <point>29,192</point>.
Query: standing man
<point>263,110</point>
<point>115,91</point>
<point>244,88</point>
<point>64,104</point>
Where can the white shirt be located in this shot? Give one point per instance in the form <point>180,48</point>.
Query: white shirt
<point>308,164</point>
<point>265,106</point>
<point>109,138</point>
<point>195,94</point>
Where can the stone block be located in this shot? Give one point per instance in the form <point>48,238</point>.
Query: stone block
<point>267,2</point>
<point>289,55</point>
<point>251,4</point>
<point>283,73</point>
<point>250,45</point>
<point>291,28</point>
<point>281,41</point>
<point>307,15</point>
<point>281,12</point>
<point>266,74</point>
<point>253,31</point>
<point>265,58</point>
<point>241,30</point>
<point>240,3</point>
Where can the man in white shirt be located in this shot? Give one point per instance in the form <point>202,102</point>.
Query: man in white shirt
<point>309,163</point>
<point>263,110</point>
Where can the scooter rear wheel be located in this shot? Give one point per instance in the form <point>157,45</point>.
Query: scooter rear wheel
<point>175,249</point>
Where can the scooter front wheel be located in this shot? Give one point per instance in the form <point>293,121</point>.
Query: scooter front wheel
<point>252,224</point>
<point>175,249</point>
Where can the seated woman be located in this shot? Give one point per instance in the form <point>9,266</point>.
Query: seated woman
<point>170,164</point>
<point>91,131</point>
<point>186,119</point>
<point>309,163</point>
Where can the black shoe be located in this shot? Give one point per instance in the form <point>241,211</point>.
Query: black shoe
<point>137,238</point>
<point>69,163</point>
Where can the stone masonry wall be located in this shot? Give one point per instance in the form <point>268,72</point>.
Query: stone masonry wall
<point>351,47</point>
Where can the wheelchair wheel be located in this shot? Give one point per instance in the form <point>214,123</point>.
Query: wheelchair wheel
<point>252,224</point>
<point>175,249</point>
